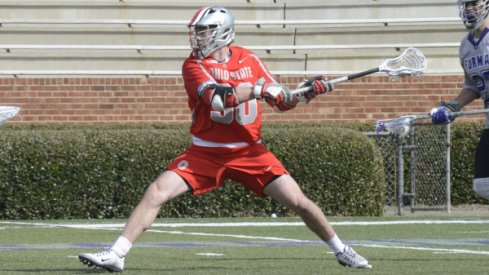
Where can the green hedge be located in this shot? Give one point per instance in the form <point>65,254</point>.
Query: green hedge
<point>102,172</point>
<point>464,139</point>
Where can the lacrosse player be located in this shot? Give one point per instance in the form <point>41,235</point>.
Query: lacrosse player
<point>474,57</point>
<point>224,83</point>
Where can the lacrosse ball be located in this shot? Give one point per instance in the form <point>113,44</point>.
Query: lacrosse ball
<point>273,215</point>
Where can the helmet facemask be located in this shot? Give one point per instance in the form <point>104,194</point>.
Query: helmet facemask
<point>210,30</point>
<point>473,13</point>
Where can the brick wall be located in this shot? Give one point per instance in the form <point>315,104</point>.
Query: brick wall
<point>98,100</point>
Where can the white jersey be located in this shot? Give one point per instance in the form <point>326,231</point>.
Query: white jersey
<point>474,57</point>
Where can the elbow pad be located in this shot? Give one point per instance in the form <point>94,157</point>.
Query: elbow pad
<point>220,97</point>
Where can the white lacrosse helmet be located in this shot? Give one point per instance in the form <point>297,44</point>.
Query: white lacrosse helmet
<point>211,28</point>
<point>473,13</point>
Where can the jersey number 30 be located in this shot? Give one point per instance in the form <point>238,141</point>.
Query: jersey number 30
<point>244,113</point>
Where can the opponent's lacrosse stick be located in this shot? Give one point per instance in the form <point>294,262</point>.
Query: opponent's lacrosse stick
<point>402,125</point>
<point>8,112</point>
<point>410,62</point>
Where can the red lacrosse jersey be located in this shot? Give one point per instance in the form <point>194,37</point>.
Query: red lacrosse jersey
<point>235,125</point>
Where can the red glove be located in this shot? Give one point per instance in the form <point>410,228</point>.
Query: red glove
<point>274,94</point>
<point>319,86</point>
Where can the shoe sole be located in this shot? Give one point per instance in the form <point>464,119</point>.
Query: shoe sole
<point>90,263</point>
<point>358,267</point>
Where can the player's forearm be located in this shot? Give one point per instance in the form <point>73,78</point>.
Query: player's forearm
<point>246,94</point>
<point>466,96</point>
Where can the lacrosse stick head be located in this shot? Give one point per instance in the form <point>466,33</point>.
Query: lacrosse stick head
<point>400,126</point>
<point>411,62</point>
<point>8,112</point>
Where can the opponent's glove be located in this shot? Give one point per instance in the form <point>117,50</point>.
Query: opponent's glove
<point>274,94</point>
<point>441,115</point>
<point>444,113</point>
<point>319,85</point>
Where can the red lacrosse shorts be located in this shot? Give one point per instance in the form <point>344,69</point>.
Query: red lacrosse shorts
<point>205,169</point>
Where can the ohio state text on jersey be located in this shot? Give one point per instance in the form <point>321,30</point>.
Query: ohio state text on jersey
<point>239,124</point>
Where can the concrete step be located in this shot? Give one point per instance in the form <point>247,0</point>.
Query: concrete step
<point>353,40</point>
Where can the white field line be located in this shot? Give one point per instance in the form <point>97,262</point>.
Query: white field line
<point>435,250</point>
<point>210,254</point>
<point>247,224</point>
<point>470,232</point>
<point>229,236</point>
<point>228,224</point>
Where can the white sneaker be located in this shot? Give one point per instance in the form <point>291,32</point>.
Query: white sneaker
<point>352,259</point>
<point>106,259</point>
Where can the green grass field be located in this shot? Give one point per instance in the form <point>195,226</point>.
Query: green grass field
<point>393,245</point>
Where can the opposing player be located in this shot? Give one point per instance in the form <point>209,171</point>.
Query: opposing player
<point>223,83</point>
<point>474,56</point>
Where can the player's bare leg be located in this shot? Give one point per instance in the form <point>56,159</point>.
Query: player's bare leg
<point>286,191</point>
<point>166,187</point>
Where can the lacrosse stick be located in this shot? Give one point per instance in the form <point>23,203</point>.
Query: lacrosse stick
<point>8,112</point>
<point>402,125</point>
<point>410,62</point>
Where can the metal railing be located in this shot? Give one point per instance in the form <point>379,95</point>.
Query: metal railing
<point>148,73</point>
<point>385,22</point>
<point>139,49</point>
<point>268,48</point>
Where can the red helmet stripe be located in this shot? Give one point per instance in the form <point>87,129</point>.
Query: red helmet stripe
<point>197,16</point>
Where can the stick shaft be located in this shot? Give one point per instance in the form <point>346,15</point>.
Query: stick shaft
<point>412,118</point>
<point>471,112</point>
<point>456,114</point>
<point>340,79</point>
<point>364,73</point>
